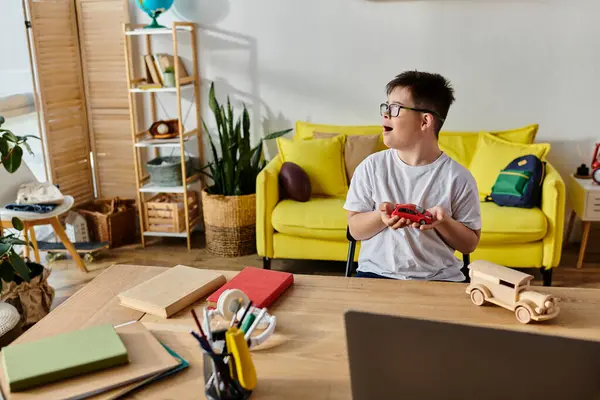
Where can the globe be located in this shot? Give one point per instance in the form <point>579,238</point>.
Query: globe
<point>154,8</point>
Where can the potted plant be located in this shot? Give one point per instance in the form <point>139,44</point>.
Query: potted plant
<point>169,76</point>
<point>229,204</point>
<point>23,283</point>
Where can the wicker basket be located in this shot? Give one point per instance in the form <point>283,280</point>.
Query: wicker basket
<point>166,212</point>
<point>230,224</point>
<point>166,171</point>
<point>111,220</point>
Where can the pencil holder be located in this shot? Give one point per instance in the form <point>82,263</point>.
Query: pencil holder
<point>221,386</point>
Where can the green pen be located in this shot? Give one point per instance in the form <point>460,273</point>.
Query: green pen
<point>247,323</point>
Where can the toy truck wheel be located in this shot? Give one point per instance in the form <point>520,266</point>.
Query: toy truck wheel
<point>523,315</point>
<point>88,257</point>
<point>477,297</point>
<point>422,222</point>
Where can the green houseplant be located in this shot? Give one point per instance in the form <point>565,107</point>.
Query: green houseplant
<point>22,283</point>
<point>229,203</point>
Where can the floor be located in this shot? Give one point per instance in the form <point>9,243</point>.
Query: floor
<point>67,279</point>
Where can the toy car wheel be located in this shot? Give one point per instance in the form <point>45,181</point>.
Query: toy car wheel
<point>422,222</point>
<point>88,257</point>
<point>523,315</point>
<point>477,297</point>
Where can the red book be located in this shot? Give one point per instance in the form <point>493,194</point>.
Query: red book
<point>262,286</point>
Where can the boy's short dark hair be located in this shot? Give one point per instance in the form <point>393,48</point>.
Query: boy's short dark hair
<point>428,90</point>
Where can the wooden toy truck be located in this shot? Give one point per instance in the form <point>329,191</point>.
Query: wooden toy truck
<point>510,289</point>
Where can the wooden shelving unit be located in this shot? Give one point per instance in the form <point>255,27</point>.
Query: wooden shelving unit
<point>143,141</point>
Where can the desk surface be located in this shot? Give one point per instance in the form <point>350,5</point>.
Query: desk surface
<point>306,358</point>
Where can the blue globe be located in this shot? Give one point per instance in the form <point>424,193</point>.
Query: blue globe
<point>154,8</point>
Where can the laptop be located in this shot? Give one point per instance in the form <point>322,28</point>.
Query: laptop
<point>394,357</point>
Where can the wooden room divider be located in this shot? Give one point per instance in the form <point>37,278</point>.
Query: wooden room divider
<point>78,61</point>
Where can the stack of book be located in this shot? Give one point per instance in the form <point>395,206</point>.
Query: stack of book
<point>101,361</point>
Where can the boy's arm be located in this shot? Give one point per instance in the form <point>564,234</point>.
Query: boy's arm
<point>365,225</point>
<point>460,229</point>
<point>454,233</point>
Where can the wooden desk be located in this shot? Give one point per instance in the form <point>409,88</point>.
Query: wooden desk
<point>585,201</point>
<point>306,358</point>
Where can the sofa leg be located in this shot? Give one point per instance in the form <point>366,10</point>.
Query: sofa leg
<point>266,263</point>
<point>547,276</point>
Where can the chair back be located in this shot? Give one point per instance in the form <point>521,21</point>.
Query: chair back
<point>10,183</point>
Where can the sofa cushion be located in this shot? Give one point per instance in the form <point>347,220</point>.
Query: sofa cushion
<point>461,146</point>
<point>356,149</point>
<point>493,154</point>
<point>510,225</point>
<point>322,160</point>
<point>318,218</point>
<point>306,130</point>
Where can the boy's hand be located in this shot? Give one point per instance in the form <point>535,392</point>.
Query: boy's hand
<point>394,222</point>
<point>439,217</point>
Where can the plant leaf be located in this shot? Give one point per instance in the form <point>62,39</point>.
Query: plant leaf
<point>275,135</point>
<point>13,161</point>
<point>19,265</point>
<point>8,135</point>
<point>28,147</point>
<point>4,247</point>
<point>17,224</point>
<point>14,241</point>
<point>3,146</point>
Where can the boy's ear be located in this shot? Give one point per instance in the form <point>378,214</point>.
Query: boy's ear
<point>427,121</point>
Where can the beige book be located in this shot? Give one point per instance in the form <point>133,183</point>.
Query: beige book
<point>172,290</point>
<point>147,357</point>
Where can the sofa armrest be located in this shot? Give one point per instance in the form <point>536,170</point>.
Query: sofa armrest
<point>553,206</point>
<point>267,197</point>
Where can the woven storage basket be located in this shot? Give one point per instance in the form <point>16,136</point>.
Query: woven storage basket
<point>229,224</point>
<point>166,171</point>
<point>111,220</point>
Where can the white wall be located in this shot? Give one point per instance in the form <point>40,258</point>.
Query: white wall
<point>511,62</point>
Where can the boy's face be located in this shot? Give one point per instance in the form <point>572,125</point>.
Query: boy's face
<point>409,127</point>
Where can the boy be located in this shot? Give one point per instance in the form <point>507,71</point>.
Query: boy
<point>413,170</point>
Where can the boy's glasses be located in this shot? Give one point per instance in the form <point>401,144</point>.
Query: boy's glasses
<point>393,110</point>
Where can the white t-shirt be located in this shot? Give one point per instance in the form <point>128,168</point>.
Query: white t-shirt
<point>410,253</point>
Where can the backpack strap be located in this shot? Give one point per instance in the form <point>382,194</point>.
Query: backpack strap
<point>488,198</point>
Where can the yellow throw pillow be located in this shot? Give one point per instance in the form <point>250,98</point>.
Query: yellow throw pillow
<point>356,149</point>
<point>322,160</point>
<point>494,154</point>
<point>461,146</point>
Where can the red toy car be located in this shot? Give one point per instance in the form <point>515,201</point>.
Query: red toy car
<point>413,213</point>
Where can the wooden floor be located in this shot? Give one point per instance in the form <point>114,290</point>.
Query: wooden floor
<point>67,279</point>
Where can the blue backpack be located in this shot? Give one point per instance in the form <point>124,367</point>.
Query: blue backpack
<point>520,183</point>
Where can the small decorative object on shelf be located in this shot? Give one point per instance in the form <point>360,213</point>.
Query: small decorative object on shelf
<point>583,172</point>
<point>154,8</point>
<point>169,76</point>
<point>510,289</point>
<point>166,171</point>
<point>164,129</point>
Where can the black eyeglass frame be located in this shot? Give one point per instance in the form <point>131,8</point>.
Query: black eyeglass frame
<point>387,110</point>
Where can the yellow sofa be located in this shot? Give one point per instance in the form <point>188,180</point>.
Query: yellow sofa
<point>515,237</point>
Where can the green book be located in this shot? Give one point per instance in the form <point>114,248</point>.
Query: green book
<point>62,356</point>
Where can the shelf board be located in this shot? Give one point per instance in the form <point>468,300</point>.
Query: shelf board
<point>162,89</point>
<point>169,234</point>
<point>162,142</point>
<point>157,31</point>
<point>150,188</point>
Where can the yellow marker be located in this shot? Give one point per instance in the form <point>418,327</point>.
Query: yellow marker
<point>238,347</point>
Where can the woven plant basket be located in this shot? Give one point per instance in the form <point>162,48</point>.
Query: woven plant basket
<point>229,224</point>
